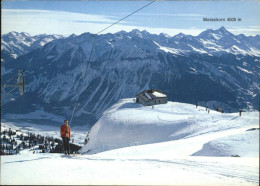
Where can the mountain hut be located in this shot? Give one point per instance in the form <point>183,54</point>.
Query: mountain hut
<point>151,97</point>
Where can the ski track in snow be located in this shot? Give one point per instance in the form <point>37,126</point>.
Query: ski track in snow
<point>86,169</point>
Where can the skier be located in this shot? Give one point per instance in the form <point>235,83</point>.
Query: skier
<point>65,135</point>
<point>196,104</point>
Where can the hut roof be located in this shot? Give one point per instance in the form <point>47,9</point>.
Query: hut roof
<point>147,95</point>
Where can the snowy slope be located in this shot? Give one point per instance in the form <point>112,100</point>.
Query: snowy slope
<point>244,144</point>
<point>128,124</point>
<point>56,169</point>
<point>197,149</point>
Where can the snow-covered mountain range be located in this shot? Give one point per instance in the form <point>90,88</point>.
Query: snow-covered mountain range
<point>216,68</point>
<point>14,44</point>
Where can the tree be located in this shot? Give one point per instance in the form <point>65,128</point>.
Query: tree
<point>23,144</point>
<point>21,137</point>
<point>9,150</point>
<point>10,132</point>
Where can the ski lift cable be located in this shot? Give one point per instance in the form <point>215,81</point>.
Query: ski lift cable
<point>94,42</point>
<point>11,90</point>
<point>85,74</point>
<point>10,80</point>
<point>73,113</point>
<point>90,57</point>
<point>127,16</point>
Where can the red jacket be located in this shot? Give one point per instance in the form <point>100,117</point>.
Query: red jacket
<point>65,131</point>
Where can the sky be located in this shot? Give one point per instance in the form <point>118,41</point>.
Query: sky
<point>170,17</point>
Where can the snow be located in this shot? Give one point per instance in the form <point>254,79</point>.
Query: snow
<point>56,169</point>
<point>127,124</point>
<point>238,50</point>
<point>77,133</point>
<point>14,56</point>
<point>18,44</point>
<point>255,52</point>
<point>174,143</point>
<point>193,69</point>
<point>244,70</point>
<point>167,49</point>
<point>243,144</point>
<point>158,94</point>
<point>197,50</point>
<point>216,36</point>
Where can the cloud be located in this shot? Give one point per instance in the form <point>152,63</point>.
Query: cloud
<point>191,17</point>
<point>173,15</point>
<point>45,21</point>
<point>66,23</point>
<point>245,31</point>
<point>159,14</point>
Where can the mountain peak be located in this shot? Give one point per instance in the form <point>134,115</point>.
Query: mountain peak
<point>164,35</point>
<point>17,35</point>
<point>210,33</point>
<point>72,35</point>
<point>136,32</point>
<point>180,35</point>
<point>222,30</point>
<point>121,32</point>
<point>13,33</point>
<point>145,32</point>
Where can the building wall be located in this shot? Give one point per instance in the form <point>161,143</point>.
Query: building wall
<point>159,101</point>
<point>152,102</point>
